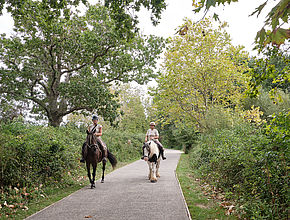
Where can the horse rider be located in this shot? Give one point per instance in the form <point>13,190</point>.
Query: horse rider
<point>95,129</point>
<point>153,134</point>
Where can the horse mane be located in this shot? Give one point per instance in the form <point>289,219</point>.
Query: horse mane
<point>91,139</point>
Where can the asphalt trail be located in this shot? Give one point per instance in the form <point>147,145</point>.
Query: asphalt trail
<point>126,194</point>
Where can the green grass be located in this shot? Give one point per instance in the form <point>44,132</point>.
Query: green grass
<point>198,204</point>
<point>54,194</point>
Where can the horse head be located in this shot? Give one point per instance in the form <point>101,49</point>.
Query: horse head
<point>146,145</point>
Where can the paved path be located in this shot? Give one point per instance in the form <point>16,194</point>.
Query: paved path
<point>126,194</point>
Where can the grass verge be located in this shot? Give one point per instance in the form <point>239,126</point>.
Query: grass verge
<point>199,205</point>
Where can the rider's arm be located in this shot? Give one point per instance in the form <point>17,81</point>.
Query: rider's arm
<point>146,137</point>
<point>156,134</point>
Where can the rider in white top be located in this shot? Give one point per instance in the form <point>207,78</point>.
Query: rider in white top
<point>153,134</point>
<point>96,129</point>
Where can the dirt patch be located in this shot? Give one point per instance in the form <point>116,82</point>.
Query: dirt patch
<point>201,206</point>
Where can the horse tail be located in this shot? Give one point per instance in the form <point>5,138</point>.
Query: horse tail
<point>112,159</point>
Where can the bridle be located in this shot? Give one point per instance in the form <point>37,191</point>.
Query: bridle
<point>93,145</point>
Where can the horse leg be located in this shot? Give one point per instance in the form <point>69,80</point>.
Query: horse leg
<point>94,175</point>
<point>104,167</point>
<point>150,170</point>
<point>157,168</point>
<point>89,173</point>
<point>153,177</point>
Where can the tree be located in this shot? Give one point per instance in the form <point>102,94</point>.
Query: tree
<point>121,10</point>
<point>66,64</point>
<point>133,116</point>
<point>279,15</point>
<point>201,70</point>
<point>15,7</point>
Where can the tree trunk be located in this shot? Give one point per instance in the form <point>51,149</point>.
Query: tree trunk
<point>55,120</point>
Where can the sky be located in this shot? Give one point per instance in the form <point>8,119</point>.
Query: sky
<point>242,28</point>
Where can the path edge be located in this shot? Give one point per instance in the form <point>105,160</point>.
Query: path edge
<point>185,203</point>
<point>27,218</point>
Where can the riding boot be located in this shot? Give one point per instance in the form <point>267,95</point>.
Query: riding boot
<point>162,152</point>
<point>142,158</point>
<point>103,150</point>
<point>82,160</point>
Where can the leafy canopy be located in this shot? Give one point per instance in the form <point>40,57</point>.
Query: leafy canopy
<point>271,32</point>
<point>201,70</point>
<point>65,65</point>
<point>271,71</point>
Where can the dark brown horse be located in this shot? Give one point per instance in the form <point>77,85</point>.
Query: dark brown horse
<point>94,156</point>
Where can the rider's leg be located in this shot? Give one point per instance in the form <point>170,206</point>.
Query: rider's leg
<point>103,148</point>
<point>142,158</point>
<point>82,160</point>
<point>161,148</point>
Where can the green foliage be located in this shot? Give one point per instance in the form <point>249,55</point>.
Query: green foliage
<point>277,16</point>
<point>249,165</point>
<point>199,204</point>
<point>133,118</point>
<point>266,103</point>
<point>181,137</point>
<point>122,7</point>
<point>278,130</point>
<point>219,118</point>
<point>15,7</point>
<point>201,70</point>
<point>271,72</point>
<point>65,64</point>
<point>35,157</point>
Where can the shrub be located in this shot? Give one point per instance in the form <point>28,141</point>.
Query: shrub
<point>245,162</point>
<point>267,104</point>
<point>36,158</point>
<point>32,154</point>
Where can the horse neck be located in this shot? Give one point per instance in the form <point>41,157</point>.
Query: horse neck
<point>91,139</point>
<point>153,148</point>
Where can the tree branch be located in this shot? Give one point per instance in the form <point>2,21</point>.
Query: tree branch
<point>72,110</point>
<point>85,64</point>
<point>115,78</point>
<point>53,69</point>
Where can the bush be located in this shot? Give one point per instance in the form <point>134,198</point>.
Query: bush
<point>36,158</point>
<point>181,138</point>
<point>244,162</point>
<point>33,155</point>
<point>218,118</point>
<point>266,103</point>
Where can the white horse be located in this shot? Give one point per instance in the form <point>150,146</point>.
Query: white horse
<point>152,156</point>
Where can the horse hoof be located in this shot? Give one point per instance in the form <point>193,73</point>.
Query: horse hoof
<point>102,181</point>
<point>153,180</point>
